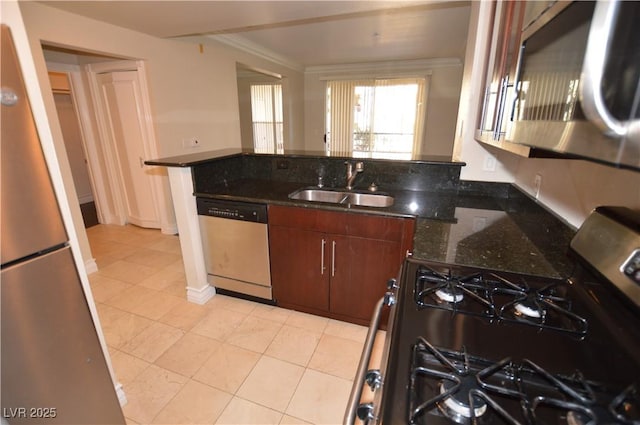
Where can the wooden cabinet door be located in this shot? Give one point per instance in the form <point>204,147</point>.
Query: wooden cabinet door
<point>360,269</point>
<point>297,273</point>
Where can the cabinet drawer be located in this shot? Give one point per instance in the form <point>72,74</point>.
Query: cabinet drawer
<point>376,227</point>
<point>338,223</point>
<point>309,219</point>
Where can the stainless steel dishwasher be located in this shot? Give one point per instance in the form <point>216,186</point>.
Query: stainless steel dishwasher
<point>235,240</point>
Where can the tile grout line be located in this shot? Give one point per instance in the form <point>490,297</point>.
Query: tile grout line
<point>251,313</point>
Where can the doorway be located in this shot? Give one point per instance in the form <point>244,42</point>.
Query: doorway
<point>106,162</point>
<point>74,145</point>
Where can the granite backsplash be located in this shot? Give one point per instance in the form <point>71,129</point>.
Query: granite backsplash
<point>387,175</point>
<point>482,224</point>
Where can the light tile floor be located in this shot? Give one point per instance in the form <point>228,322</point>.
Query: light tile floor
<point>230,361</point>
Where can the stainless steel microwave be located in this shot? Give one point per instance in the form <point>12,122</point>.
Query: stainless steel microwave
<point>578,84</point>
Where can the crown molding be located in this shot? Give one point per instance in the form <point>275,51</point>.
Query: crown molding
<point>250,47</point>
<point>394,67</point>
<point>391,67</point>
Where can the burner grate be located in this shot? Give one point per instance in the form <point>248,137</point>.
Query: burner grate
<point>467,390</point>
<point>450,384</point>
<point>546,307</point>
<point>494,297</point>
<point>584,404</point>
<point>467,294</point>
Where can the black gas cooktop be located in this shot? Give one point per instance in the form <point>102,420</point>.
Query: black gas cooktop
<point>509,348</point>
<point>467,345</point>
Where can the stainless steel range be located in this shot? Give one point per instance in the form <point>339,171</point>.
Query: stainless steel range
<point>467,345</point>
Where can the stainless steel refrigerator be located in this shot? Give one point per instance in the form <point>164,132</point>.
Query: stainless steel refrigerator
<point>52,367</point>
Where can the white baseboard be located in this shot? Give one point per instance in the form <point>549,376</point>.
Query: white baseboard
<point>91,266</point>
<point>169,229</point>
<point>122,397</point>
<point>200,296</point>
<point>85,199</point>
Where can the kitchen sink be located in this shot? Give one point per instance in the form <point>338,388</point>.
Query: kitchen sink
<point>364,199</point>
<point>319,195</point>
<point>369,199</point>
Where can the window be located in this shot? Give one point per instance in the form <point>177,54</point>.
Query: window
<point>375,118</point>
<point>266,113</point>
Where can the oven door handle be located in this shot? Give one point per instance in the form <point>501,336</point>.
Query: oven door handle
<point>360,381</point>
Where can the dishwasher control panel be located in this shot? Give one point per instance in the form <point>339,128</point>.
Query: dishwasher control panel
<point>244,211</point>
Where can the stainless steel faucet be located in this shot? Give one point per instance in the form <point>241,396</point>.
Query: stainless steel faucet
<point>352,173</point>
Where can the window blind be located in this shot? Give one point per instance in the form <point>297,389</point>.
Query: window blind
<point>375,118</point>
<point>267,118</point>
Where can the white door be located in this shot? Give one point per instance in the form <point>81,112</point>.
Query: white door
<point>121,99</point>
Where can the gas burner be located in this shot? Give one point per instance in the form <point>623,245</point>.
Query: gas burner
<point>451,384</point>
<point>465,294</point>
<point>457,406</point>
<point>546,308</point>
<point>450,295</point>
<point>524,309</point>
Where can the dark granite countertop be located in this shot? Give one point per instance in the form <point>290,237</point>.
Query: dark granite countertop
<point>489,225</point>
<point>191,159</point>
<point>198,158</point>
<point>507,240</point>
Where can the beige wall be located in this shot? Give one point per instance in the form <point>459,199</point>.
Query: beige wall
<point>292,86</point>
<point>244,103</point>
<point>193,94</point>
<point>314,112</point>
<point>192,82</point>
<point>573,188</point>
<point>442,110</point>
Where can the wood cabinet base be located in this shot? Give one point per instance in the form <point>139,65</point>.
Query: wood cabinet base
<point>335,264</point>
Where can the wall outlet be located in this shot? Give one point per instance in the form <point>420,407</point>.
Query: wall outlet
<point>489,163</point>
<point>190,142</point>
<point>479,223</point>
<point>537,182</point>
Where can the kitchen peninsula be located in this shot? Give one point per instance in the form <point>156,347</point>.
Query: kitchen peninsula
<point>492,225</point>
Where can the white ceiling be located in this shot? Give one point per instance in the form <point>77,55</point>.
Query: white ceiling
<point>307,33</point>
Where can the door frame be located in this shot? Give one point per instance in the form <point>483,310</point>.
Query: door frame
<point>81,106</point>
<point>159,181</point>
